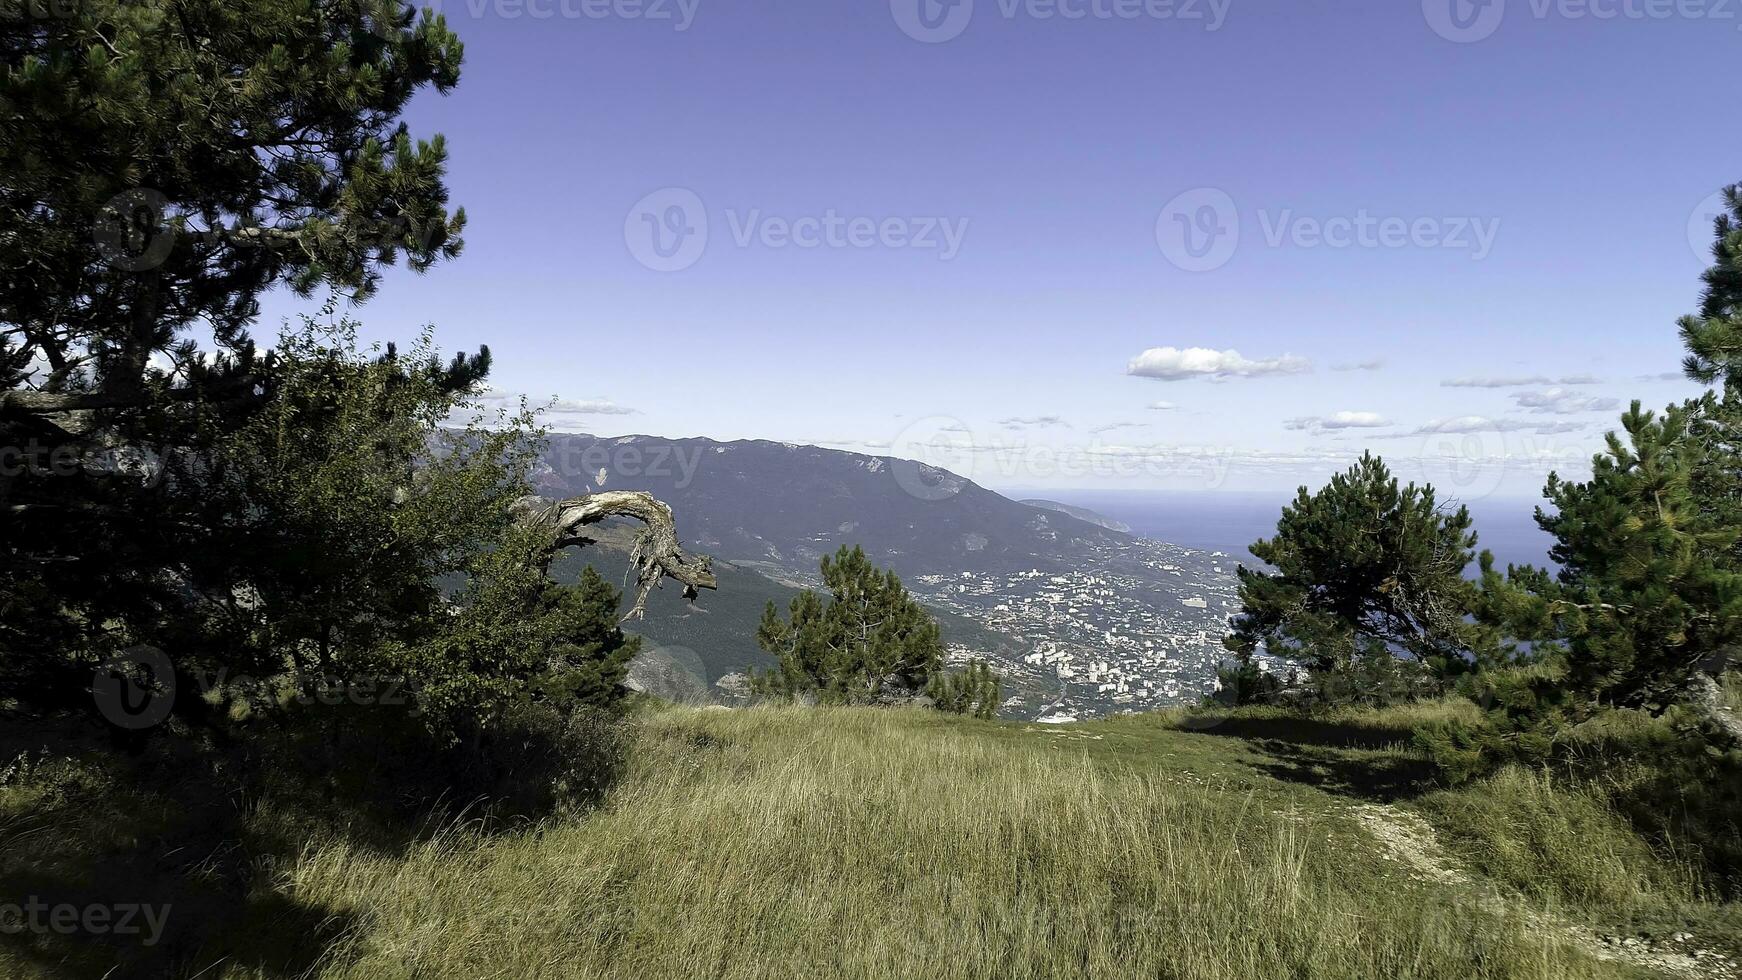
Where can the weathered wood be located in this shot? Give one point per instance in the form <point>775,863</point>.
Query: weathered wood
<point>657,553</point>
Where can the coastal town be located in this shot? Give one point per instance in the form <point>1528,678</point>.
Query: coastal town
<point>1138,627</point>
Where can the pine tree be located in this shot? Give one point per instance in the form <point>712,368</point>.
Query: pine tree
<point>168,161</point>
<point>1648,605</point>
<point>1714,335</point>
<point>1365,572</point>
<point>294,516</point>
<point>165,163</point>
<point>868,642</point>
<point>1645,611</point>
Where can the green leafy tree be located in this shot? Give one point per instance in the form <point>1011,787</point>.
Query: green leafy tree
<point>1366,572</point>
<point>869,641</point>
<point>345,506</point>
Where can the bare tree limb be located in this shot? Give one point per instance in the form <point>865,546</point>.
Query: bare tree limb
<point>55,403</point>
<point>657,554</point>
<point>34,402</point>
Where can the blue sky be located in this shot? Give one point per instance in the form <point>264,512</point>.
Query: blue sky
<point>997,209</point>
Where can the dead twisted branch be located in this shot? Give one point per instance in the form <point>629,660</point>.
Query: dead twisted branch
<point>657,554</point>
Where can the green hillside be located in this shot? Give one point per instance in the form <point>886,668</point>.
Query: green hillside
<point>717,635</point>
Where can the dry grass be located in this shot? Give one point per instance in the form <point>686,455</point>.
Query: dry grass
<point>778,842</point>
<point>783,842</point>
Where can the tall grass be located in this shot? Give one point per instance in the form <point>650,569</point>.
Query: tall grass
<point>1561,840</point>
<point>863,843</point>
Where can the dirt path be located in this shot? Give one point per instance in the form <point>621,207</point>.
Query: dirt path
<point>1407,839</point>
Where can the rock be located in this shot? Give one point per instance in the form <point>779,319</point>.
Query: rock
<point>734,689</point>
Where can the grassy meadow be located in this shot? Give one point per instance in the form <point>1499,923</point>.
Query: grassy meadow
<point>778,842</point>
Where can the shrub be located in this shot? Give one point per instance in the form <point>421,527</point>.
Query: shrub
<point>975,691</point>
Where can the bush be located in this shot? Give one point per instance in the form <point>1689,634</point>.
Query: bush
<point>1374,680</point>
<point>1366,680</point>
<point>975,691</point>
<point>1677,790</point>
<point>1243,683</point>
<point>541,759</point>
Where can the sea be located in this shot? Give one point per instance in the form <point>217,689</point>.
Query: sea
<point>1230,521</point>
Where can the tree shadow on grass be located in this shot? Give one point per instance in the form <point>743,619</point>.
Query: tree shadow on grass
<point>1308,731</point>
<point>199,825</point>
<point>1358,761</point>
<point>164,926</point>
<point>151,867</point>
<point>1380,778</point>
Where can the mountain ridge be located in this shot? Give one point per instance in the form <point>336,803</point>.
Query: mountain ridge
<point>892,507</point>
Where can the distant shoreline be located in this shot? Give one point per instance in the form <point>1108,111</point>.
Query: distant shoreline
<point>1229,521</point>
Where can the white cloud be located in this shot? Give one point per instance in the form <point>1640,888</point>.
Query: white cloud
<point>1033,422</point>
<point>1356,420</point>
<point>1359,366</point>
<point>590,406</point>
<point>1112,426</point>
<point>1339,420</point>
<point>1560,401</point>
<point>1163,406</point>
<point>1520,382</point>
<point>1496,382</point>
<point>1552,428</point>
<point>1176,364</point>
